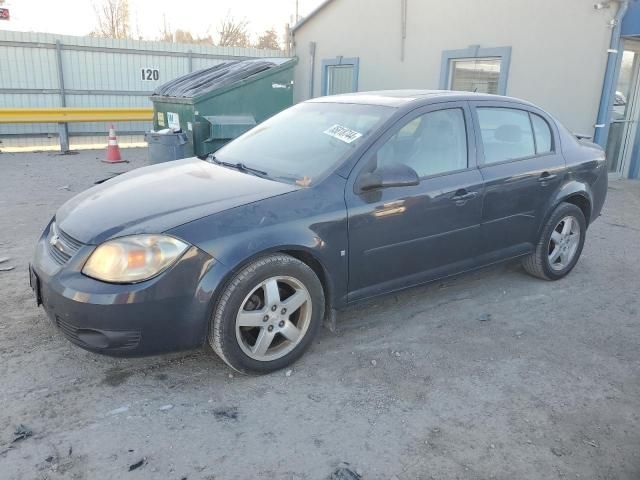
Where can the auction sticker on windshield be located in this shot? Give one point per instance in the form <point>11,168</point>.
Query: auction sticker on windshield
<point>343,133</point>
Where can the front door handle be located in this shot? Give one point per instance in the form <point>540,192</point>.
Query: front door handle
<point>545,177</point>
<point>462,196</point>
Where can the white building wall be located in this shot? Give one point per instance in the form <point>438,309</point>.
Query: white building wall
<point>559,47</point>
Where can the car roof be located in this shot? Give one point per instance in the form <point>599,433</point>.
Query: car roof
<point>400,98</point>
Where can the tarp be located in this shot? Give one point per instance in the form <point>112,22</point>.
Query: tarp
<point>212,78</point>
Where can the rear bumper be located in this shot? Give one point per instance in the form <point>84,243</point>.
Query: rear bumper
<point>165,314</point>
<point>599,191</point>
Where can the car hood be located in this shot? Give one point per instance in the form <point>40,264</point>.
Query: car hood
<point>156,198</point>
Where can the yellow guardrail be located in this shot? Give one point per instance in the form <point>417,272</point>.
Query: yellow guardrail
<point>66,114</point>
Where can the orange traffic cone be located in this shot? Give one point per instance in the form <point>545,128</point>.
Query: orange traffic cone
<point>113,151</point>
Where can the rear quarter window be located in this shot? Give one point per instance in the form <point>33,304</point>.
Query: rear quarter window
<point>542,131</point>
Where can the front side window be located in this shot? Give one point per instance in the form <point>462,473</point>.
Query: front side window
<point>431,144</point>
<point>302,143</point>
<point>481,75</point>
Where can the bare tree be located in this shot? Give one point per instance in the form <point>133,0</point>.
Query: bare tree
<point>233,33</point>
<point>166,34</point>
<point>182,36</point>
<point>113,19</point>
<point>268,40</point>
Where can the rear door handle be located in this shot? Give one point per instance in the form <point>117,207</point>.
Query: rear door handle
<point>546,176</point>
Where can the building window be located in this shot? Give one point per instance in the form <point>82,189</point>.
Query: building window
<point>475,69</point>
<point>340,75</point>
<point>480,75</point>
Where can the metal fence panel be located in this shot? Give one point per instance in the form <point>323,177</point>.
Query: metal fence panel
<point>26,67</point>
<point>46,70</point>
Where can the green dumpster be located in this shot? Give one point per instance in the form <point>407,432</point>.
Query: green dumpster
<point>217,104</point>
<point>164,147</point>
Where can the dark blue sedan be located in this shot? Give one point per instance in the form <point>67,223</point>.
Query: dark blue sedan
<point>333,201</point>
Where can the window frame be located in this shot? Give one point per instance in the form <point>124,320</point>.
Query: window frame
<point>474,52</point>
<point>529,109</point>
<point>337,62</point>
<point>535,137</point>
<point>399,124</point>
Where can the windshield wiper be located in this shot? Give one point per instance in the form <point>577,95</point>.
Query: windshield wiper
<point>239,166</point>
<point>242,166</point>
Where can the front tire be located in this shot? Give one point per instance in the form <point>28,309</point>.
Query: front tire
<point>560,244</point>
<point>267,315</point>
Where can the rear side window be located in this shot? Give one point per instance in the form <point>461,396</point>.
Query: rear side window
<point>543,134</point>
<point>509,134</point>
<point>506,134</point>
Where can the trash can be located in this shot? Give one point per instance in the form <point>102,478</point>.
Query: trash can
<point>164,147</point>
<point>217,104</point>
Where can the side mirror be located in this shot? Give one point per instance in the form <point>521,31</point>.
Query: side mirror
<point>393,175</point>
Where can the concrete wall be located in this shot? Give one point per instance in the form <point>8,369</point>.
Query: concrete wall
<point>559,47</point>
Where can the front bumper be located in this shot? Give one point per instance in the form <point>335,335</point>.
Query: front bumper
<point>167,313</point>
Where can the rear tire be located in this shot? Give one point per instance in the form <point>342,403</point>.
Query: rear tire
<point>267,315</point>
<point>560,244</point>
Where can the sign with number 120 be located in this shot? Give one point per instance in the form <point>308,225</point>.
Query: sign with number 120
<point>150,74</point>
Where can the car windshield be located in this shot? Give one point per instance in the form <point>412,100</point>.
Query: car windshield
<point>301,144</point>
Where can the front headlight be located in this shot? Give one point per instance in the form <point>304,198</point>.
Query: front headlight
<point>133,259</point>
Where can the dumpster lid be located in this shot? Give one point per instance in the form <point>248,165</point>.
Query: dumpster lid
<point>228,127</point>
<point>218,76</point>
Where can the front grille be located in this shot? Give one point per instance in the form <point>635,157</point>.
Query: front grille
<point>68,330</point>
<point>59,256</point>
<point>61,246</point>
<point>69,241</point>
<point>99,339</point>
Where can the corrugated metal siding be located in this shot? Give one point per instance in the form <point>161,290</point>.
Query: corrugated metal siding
<point>98,72</point>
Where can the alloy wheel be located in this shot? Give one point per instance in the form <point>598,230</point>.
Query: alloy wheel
<point>564,243</point>
<point>273,318</point>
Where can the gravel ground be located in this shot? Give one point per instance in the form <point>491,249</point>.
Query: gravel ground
<point>491,375</point>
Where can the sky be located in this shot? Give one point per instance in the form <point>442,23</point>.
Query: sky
<point>200,17</point>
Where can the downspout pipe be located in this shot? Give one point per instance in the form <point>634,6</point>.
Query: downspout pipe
<point>403,28</point>
<point>312,72</point>
<point>608,89</point>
